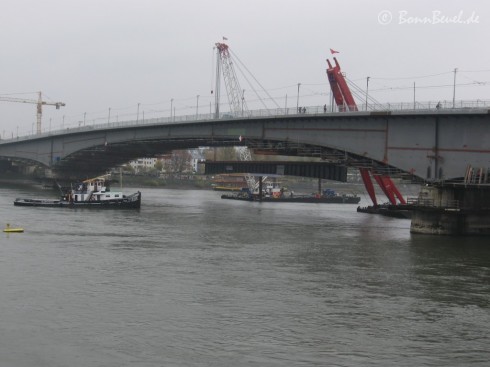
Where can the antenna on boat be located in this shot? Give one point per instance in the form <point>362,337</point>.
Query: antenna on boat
<point>59,187</point>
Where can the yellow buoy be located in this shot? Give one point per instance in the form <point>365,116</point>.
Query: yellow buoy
<point>9,229</point>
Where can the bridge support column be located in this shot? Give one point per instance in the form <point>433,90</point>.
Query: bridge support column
<point>452,210</point>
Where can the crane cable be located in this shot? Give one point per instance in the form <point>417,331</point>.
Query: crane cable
<point>255,79</point>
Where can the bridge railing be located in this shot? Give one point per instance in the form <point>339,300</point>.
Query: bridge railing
<point>429,105</point>
<point>405,107</point>
<point>309,110</point>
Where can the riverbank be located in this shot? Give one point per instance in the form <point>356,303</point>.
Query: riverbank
<point>10,179</point>
<point>196,182</point>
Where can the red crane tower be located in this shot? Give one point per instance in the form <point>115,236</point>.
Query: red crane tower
<point>345,102</point>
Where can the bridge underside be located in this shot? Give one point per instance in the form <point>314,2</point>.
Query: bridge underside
<point>98,159</point>
<point>328,171</point>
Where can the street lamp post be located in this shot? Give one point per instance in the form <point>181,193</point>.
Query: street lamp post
<point>171,108</point>
<point>454,88</point>
<point>197,106</point>
<point>243,99</point>
<point>297,99</point>
<point>414,95</point>
<point>109,116</point>
<point>138,113</point>
<point>367,92</point>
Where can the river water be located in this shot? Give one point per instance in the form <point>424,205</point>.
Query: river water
<point>193,280</point>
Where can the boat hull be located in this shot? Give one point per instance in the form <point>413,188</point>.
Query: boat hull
<point>299,199</point>
<point>130,202</point>
<point>225,188</point>
<point>13,230</point>
<point>393,211</point>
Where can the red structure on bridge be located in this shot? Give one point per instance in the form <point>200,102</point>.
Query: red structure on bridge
<point>341,92</point>
<point>345,102</point>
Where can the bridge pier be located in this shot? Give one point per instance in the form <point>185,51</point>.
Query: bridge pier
<point>452,210</point>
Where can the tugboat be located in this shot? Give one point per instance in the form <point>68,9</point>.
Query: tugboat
<point>92,193</point>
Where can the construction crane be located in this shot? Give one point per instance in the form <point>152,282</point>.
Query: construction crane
<point>345,102</point>
<point>341,92</point>
<point>235,98</point>
<point>39,102</point>
<point>233,89</point>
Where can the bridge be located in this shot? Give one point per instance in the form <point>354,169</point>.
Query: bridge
<point>430,145</point>
<point>436,146</point>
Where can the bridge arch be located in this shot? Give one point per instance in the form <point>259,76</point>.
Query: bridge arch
<point>441,143</point>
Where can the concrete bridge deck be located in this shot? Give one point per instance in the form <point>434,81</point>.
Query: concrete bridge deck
<point>431,145</point>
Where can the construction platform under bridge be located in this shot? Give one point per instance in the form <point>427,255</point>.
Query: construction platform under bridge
<point>321,170</point>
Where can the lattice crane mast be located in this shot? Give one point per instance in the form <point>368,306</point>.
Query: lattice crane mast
<point>345,102</point>
<point>233,89</point>
<point>235,99</point>
<point>39,102</point>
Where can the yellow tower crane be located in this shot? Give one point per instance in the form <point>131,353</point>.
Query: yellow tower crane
<point>39,102</point>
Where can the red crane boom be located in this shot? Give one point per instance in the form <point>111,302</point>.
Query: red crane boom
<point>345,102</point>
<point>341,92</point>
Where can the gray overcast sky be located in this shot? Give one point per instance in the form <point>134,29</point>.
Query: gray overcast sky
<point>100,54</point>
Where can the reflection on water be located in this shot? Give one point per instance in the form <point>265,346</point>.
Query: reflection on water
<point>190,279</point>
